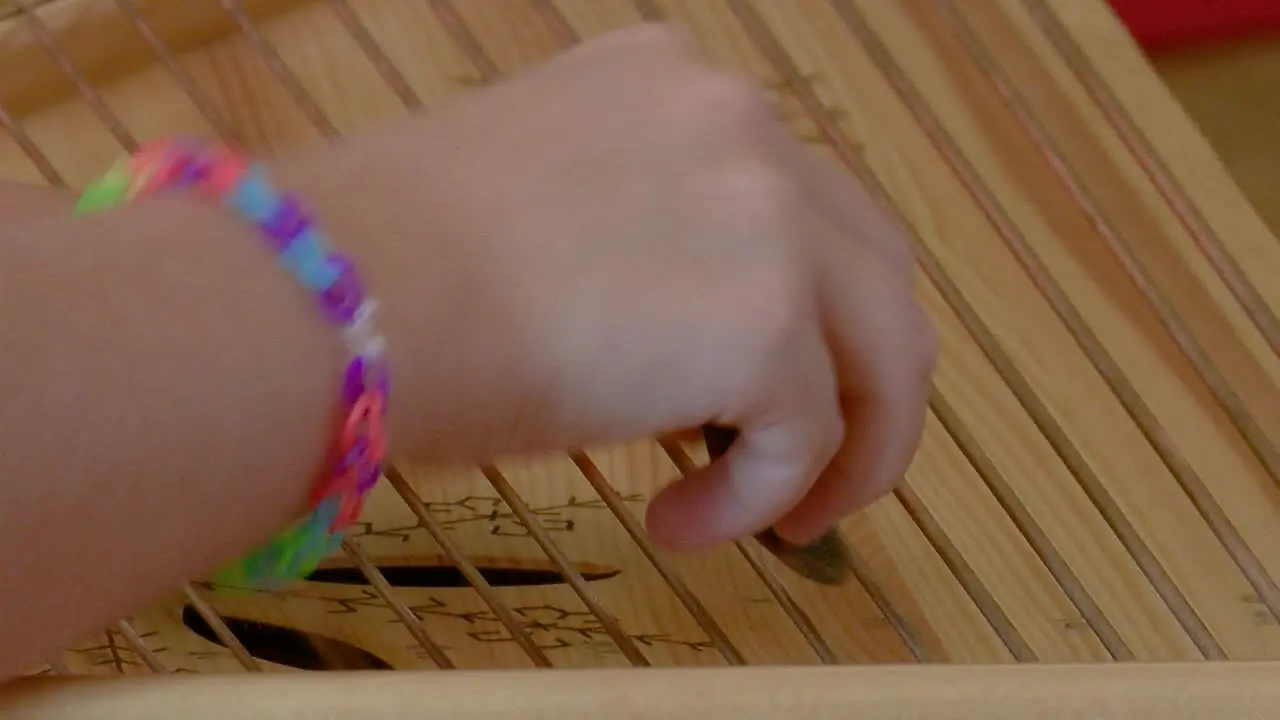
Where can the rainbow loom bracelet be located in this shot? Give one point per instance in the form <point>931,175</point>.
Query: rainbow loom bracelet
<point>220,174</point>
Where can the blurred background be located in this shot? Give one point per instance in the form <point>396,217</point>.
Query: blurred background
<point>1222,59</point>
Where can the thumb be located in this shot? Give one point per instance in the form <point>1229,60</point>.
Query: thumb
<point>761,475</point>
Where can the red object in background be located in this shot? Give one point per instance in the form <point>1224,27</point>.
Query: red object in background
<point>1160,25</point>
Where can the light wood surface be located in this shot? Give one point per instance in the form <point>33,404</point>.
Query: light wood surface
<point>1243,691</point>
<point>1099,478</point>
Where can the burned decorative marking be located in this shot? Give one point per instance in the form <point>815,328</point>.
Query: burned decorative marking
<point>477,509</point>
<point>115,651</point>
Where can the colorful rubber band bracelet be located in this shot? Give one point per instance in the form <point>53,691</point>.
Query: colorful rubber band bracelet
<point>218,173</point>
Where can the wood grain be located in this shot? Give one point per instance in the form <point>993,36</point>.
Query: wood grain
<point>1053,692</point>
<point>1099,475</point>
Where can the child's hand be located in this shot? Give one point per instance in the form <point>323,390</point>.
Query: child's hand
<point>626,241</point>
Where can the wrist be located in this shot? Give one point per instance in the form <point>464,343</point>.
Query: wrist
<point>285,225</point>
<point>328,195</point>
<point>453,350</point>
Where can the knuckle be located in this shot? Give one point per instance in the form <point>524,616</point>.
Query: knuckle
<point>726,98</point>
<point>771,329</point>
<point>831,435</point>
<point>894,250</point>
<point>761,194</point>
<point>775,323</point>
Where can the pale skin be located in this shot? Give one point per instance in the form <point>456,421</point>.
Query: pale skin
<point>620,243</point>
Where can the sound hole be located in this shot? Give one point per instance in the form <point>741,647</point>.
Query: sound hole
<point>286,646</point>
<point>444,576</point>
<point>310,651</point>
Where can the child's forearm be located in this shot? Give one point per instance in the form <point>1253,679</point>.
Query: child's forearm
<point>544,284</point>
<point>167,398</point>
